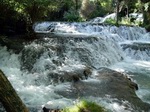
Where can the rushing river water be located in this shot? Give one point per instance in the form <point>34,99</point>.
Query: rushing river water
<point>67,47</point>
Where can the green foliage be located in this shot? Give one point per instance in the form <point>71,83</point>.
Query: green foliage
<point>36,10</point>
<point>110,21</point>
<point>72,15</point>
<point>85,106</point>
<point>31,11</point>
<point>138,6</point>
<point>106,5</point>
<point>146,13</point>
<point>124,21</point>
<point>9,17</point>
<point>96,8</point>
<point>147,6</point>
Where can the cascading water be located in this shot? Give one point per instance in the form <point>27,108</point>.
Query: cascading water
<point>40,69</point>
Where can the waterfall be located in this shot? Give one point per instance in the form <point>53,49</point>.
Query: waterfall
<point>133,40</point>
<point>70,48</point>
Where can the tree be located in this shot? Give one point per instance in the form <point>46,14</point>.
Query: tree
<point>124,8</point>
<point>117,11</point>
<point>146,13</point>
<point>9,19</point>
<point>76,4</point>
<point>9,97</point>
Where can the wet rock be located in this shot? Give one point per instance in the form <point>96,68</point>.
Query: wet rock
<point>32,51</point>
<point>113,77</point>
<point>137,50</point>
<point>29,56</point>
<point>137,46</point>
<point>107,82</point>
<point>70,76</point>
<point>2,109</point>
<point>12,43</point>
<point>50,110</point>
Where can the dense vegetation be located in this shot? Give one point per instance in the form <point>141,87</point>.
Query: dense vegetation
<point>18,16</point>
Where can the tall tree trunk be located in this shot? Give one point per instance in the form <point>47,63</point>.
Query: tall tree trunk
<point>30,31</point>
<point>117,12</point>
<point>127,11</point>
<point>8,96</point>
<point>76,5</point>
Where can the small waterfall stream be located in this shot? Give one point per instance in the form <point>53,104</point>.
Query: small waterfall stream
<point>38,71</point>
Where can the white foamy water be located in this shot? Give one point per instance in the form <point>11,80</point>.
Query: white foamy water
<point>32,72</point>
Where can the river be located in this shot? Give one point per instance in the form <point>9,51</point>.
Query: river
<point>67,47</point>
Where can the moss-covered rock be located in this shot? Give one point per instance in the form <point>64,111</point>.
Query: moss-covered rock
<point>85,106</point>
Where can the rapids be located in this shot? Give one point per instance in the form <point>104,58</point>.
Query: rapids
<point>70,47</point>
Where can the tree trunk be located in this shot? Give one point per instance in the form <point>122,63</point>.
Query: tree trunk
<point>127,11</point>
<point>117,12</point>
<point>76,5</point>
<point>30,31</point>
<point>8,96</point>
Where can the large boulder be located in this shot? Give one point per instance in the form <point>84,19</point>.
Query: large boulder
<point>107,83</point>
